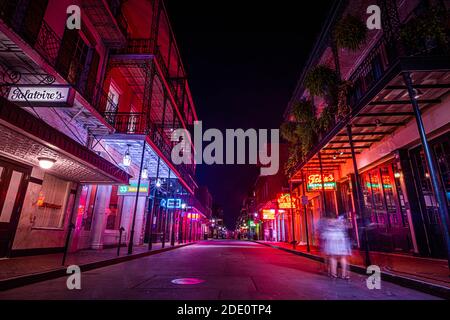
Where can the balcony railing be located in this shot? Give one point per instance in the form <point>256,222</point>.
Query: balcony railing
<point>136,123</point>
<point>127,123</point>
<point>116,9</point>
<point>148,46</point>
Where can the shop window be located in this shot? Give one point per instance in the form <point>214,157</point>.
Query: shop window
<point>89,213</point>
<point>113,99</point>
<point>72,56</point>
<point>51,206</point>
<point>114,210</point>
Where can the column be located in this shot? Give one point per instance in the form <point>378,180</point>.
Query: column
<point>99,219</point>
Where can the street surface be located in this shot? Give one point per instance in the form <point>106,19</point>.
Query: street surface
<point>229,270</point>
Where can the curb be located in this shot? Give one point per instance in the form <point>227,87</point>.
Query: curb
<point>415,284</point>
<point>20,281</point>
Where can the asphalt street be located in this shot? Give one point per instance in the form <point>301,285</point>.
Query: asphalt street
<point>219,270</point>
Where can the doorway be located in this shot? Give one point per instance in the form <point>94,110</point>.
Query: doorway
<point>13,185</point>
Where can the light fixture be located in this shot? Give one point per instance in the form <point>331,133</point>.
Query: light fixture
<point>378,123</point>
<point>427,175</point>
<point>334,157</point>
<point>127,158</point>
<point>144,174</point>
<point>417,94</point>
<point>158,183</point>
<point>341,153</point>
<point>46,163</point>
<point>397,175</point>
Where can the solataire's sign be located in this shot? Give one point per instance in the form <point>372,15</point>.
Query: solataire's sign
<point>42,96</point>
<point>316,183</point>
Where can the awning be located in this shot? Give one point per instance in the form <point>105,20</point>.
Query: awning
<point>25,138</point>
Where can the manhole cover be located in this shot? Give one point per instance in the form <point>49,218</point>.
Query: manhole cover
<point>187,281</point>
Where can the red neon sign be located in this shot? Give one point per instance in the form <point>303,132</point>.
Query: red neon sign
<point>269,214</point>
<point>285,201</point>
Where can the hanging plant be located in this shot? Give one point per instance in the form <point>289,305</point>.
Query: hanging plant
<point>350,33</point>
<point>293,160</point>
<point>343,108</point>
<point>301,133</point>
<point>425,32</point>
<point>321,81</point>
<point>327,119</point>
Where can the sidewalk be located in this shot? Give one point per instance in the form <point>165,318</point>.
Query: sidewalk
<point>19,271</point>
<point>430,272</point>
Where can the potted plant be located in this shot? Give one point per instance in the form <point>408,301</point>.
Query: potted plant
<point>350,33</point>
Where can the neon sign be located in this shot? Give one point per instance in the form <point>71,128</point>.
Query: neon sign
<point>269,214</point>
<point>315,182</point>
<point>131,189</point>
<point>171,203</point>
<point>285,201</point>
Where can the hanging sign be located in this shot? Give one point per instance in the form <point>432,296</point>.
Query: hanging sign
<point>42,96</point>
<point>314,182</point>
<point>171,203</point>
<point>269,214</point>
<point>285,201</point>
<point>131,189</point>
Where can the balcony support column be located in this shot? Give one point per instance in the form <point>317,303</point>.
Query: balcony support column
<point>141,167</point>
<point>152,209</point>
<point>305,212</point>
<point>359,199</point>
<point>324,200</point>
<point>431,164</point>
<point>294,242</point>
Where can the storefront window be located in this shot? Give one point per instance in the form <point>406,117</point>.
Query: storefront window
<point>114,210</point>
<point>87,219</point>
<point>52,203</point>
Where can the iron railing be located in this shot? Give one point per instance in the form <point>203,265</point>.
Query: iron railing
<point>116,9</point>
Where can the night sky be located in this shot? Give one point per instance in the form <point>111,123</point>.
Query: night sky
<point>243,60</point>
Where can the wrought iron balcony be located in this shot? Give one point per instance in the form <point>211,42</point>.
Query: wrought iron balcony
<point>127,123</point>
<point>107,17</point>
<point>136,123</point>
<point>138,46</point>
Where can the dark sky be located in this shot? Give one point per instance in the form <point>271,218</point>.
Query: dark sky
<point>243,59</point>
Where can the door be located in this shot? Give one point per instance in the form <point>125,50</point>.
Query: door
<point>13,186</point>
<point>427,199</point>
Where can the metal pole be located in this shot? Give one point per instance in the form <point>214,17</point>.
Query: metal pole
<point>130,244</point>
<point>359,196</point>
<point>121,230</point>
<point>71,223</point>
<point>292,216</point>
<point>172,240</point>
<point>150,241</point>
<point>308,248</point>
<point>325,208</point>
<point>432,167</point>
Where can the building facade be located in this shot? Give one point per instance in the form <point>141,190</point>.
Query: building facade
<point>382,159</point>
<point>87,117</point>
